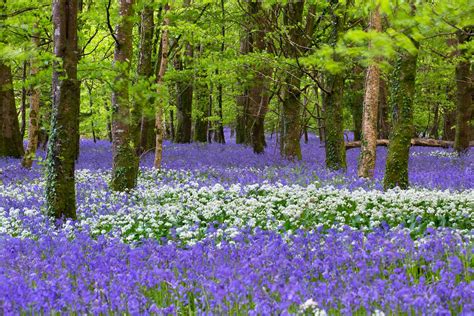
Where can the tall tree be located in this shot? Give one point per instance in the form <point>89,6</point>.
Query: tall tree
<point>125,161</point>
<point>369,117</point>
<point>159,81</point>
<point>332,99</point>
<point>11,144</point>
<point>60,182</point>
<point>465,93</point>
<point>383,125</point>
<point>144,73</point>
<point>294,47</point>
<point>34,119</point>
<point>402,94</point>
<point>184,98</point>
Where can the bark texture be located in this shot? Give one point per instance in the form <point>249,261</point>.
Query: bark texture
<point>34,119</point>
<point>11,143</point>
<point>290,147</point>
<point>159,81</point>
<point>403,91</point>
<point>368,148</point>
<point>333,108</point>
<point>125,161</point>
<point>140,119</point>
<point>464,95</point>
<point>184,100</point>
<point>62,146</point>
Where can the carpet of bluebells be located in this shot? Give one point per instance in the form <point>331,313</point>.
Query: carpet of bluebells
<point>220,230</point>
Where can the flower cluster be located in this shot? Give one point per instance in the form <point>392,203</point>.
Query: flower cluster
<point>255,273</point>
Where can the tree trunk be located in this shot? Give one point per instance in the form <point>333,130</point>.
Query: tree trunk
<point>144,72</point>
<point>403,91</point>
<point>60,182</point>
<point>23,100</point>
<point>449,122</point>
<point>464,95</point>
<point>291,104</point>
<point>219,134</point>
<point>184,100</point>
<point>369,117</point>
<point>34,119</point>
<point>334,121</point>
<point>435,127</point>
<point>383,125</point>
<point>125,161</point>
<point>11,144</point>
<point>357,101</point>
<point>202,107</point>
<point>159,82</point>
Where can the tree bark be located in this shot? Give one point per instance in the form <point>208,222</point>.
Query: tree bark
<point>159,81</point>
<point>202,107</point>
<point>369,117</point>
<point>34,119</point>
<point>357,101</point>
<point>334,122</point>
<point>403,91</point>
<point>125,161</point>
<point>464,95</point>
<point>184,100</point>
<point>290,147</point>
<point>60,181</point>
<point>140,119</point>
<point>11,144</point>
<point>383,125</point>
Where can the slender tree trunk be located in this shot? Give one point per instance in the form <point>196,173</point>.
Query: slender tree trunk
<point>60,182</point>
<point>144,73</point>
<point>159,81</point>
<point>383,125</point>
<point>403,91</point>
<point>291,104</point>
<point>202,106</point>
<point>11,144</point>
<point>464,96</point>
<point>357,101</point>
<point>333,108</point>
<point>449,122</point>
<point>435,127</point>
<point>34,119</point>
<point>368,149</point>
<point>184,100</point>
<point>125,161</point>
<point>23,100</point>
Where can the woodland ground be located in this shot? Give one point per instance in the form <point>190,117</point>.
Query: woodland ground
<point>220,230</point>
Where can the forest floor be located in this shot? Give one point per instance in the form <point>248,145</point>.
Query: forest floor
<point>220,230</point>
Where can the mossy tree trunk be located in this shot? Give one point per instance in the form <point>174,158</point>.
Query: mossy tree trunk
<point>34,118</point>
<point>402,94</point>
<point>383,125</point>
<point>357,100</point>
<point>464,95</point>
<point>140,113</point>
<point>11,144</point>
<point>202,109</point>
<point>163,62</point>
<point>290,130</point>
<point>60,181</point>
<point>184,98</point>
<point>125,161</point>
<point>368,148</point>
<point>332,99</point>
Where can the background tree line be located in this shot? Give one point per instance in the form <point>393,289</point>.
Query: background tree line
<point>136,72</point>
